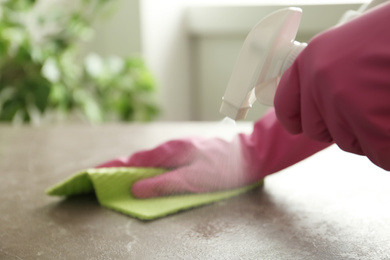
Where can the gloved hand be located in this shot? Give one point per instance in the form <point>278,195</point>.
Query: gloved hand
<point>205,165</point>
<point>338,89</point>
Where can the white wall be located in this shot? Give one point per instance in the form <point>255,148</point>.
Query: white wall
<point>166,50</point>
<point>191,47</point>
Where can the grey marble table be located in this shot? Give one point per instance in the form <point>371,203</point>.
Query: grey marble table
<point>333,205</point>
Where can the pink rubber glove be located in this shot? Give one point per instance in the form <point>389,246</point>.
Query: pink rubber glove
<point>338,89</point>
<point>206,165</point>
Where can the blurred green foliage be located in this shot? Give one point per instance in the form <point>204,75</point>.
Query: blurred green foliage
<point>43,76</point>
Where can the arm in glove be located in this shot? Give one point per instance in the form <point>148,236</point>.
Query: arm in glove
<point>338,89</point>
<point>206,165</point>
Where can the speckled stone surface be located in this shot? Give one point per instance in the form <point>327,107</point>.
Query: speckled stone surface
<point>333,205</point>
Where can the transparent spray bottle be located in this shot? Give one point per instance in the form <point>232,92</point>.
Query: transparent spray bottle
<point>267,52</point>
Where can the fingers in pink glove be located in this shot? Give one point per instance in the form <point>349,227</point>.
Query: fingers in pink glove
<point>164,156</point>
<point>317,109</point>
<point>289,108</point>
<point>162,185</point>
<point>195,178</point>
<point>173,182</point>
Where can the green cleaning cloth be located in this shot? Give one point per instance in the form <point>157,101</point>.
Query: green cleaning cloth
<point>112,187</point>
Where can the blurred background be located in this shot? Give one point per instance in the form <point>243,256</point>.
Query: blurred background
<point>99,61</point>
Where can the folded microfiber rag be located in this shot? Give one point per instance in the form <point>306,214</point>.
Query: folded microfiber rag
<point>112,187</point>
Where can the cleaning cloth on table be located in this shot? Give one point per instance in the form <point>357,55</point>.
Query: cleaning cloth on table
<point>112,187</point>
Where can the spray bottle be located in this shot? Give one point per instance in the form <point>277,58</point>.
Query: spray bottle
<point>267,52</point>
